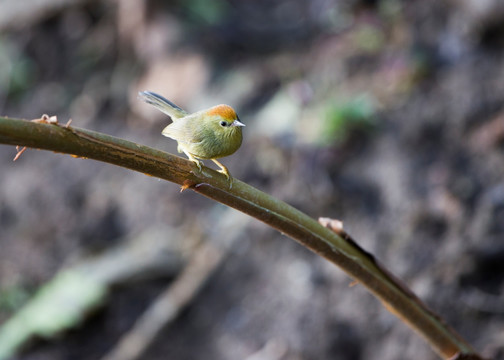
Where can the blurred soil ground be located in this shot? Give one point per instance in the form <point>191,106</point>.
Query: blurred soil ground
<point>387,115</point>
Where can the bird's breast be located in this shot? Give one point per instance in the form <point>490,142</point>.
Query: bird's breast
<point>215,146</point>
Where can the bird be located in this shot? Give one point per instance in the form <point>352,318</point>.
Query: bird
<point>204,135</point>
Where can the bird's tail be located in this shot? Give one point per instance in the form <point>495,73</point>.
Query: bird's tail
<point>162,104</point>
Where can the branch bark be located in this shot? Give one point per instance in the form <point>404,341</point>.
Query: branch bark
<point>335,246</point>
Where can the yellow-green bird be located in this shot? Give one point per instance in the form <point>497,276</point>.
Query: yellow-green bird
<point>207,134</point>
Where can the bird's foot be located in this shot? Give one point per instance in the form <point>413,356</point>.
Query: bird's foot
<point>228,177</point>
<point>198,164</point>
<point>226,173</point>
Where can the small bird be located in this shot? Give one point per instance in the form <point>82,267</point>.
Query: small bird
<point>207,134</point>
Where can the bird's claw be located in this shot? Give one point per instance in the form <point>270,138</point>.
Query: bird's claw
<point>228,176</point>
<point>198,164</point>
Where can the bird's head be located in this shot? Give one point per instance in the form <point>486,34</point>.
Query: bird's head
<point>225,117</point>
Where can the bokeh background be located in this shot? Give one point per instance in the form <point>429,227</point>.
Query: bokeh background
<point>385,114</point>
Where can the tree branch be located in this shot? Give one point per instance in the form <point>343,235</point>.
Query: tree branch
<point>335,246</point>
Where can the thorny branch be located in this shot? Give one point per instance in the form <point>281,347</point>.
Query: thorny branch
<point>333,244</point>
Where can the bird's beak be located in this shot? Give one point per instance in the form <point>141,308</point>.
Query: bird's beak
<point>237,123</point>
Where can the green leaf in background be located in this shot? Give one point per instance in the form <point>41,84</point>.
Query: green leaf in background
<point>208,12</point>
<point>59,305</point>
<point>342,118</point>
<point>17,71</point>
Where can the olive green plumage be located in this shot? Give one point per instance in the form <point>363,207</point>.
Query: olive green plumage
<point>206,134</point>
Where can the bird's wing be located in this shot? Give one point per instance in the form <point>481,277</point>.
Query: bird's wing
<point>186,131</point>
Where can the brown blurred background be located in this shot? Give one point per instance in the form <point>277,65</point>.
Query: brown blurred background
<point>387,115</point>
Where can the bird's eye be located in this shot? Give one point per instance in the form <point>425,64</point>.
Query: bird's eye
<point>223,123</point>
